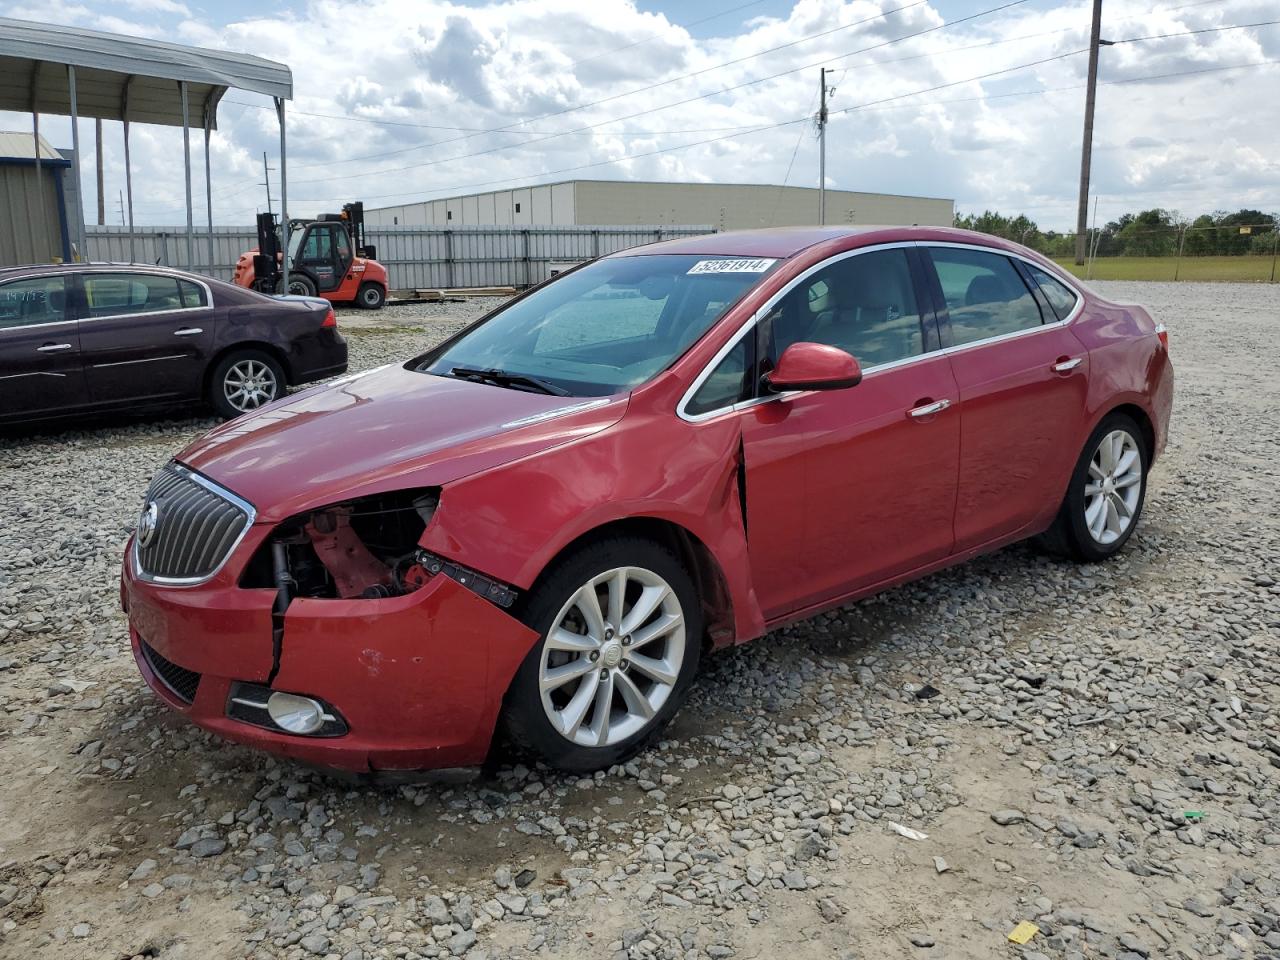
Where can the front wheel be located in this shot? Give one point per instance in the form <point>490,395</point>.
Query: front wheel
<point>1106,496</point>
<point>621,632</point>
<point>371,296</point>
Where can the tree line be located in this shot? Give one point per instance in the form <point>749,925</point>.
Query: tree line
<point>1150,233</point>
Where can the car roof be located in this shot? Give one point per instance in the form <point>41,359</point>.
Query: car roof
<point>93,265</point>
<point>784,242</point>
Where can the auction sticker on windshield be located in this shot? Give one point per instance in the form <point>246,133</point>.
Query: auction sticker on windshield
<point>735,265</point>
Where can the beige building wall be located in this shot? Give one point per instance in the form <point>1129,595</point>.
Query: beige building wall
<point>747,206</point>
<point>612,202</point>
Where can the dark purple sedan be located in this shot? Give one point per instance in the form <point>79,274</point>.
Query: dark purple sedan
<point>81,338</point>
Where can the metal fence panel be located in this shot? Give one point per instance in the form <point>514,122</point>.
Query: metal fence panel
<point>416,258</point>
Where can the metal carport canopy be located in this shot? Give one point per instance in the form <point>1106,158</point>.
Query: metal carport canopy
<point>69,71</point>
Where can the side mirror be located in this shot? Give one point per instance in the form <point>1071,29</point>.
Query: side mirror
<point>368,251</point>
<point>814,366</point>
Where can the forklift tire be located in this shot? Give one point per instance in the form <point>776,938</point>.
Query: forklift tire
<point>300,285</point>
<point>371,296</point>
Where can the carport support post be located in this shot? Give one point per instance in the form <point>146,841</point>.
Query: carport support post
<point>186,166</point>
<point>128,168</point>
<point>75,142</point>
<point>284,194</point>
<point>208,179</point>
<point>35,121</point>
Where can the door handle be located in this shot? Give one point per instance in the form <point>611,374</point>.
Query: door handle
<point>1066,365</point>
<point>187,332</point>
<point>53,347</point>
<point>929,409</point>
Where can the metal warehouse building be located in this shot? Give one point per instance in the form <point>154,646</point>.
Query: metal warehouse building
<point>725,206</point>
<point>40,218</point>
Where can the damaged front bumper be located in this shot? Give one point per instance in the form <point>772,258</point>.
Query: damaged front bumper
<point>416,679</point>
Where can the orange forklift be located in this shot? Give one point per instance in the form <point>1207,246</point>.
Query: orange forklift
<point>328,257</point>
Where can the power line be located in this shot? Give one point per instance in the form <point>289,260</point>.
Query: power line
<point>510,127</point>
<point>871,105</point>
<point>691,23</point>
<point>770,126</point>
<point>666,106</point>
<point>546,135</point>
<point>1192,33</point>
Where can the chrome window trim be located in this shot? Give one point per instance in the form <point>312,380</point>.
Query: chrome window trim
<point>751,321</point>
<point>251,517</point>
<point>33,373</point>
<point>208,294</point>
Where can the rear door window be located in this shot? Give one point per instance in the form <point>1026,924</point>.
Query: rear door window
<point>192,294</point>
<point>122,294</point>
<point>1061,298</point>
<point>986,296</point>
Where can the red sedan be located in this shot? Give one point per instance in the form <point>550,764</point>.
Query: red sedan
<point>545,521</point>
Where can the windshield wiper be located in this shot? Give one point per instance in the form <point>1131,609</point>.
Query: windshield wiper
<point>502,378</point>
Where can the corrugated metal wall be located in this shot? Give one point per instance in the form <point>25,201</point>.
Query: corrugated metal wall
<point>30,231</point>
<point>415,257</point>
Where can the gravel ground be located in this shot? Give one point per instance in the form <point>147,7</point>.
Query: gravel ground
<point>1101,757</point>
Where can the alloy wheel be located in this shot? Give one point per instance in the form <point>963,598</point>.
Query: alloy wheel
<point>249,384</point>
<point>612,657</point>
<point>1113,487</point>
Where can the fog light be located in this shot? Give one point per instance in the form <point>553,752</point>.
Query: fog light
<point>294,713</point>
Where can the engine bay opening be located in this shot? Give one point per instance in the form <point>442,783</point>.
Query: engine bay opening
<point>366,547</point>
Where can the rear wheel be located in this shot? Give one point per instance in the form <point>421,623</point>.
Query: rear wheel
<point>621,634</point>
<point>1106,495</point>
<point>300,285</point>
<point>371,296</point>
<point>244,380</point>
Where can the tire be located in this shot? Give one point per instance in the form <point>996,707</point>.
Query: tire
<point>1091,525</point>
<point>300,285</point>
<point>228,394</point>
<point>642,698</point>
<point>371,296</point>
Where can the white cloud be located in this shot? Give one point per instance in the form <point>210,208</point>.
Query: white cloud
<point>1196,142</point>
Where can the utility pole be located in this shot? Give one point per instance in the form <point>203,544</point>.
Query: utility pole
<point>122,208</point>
<point>102,201</point>
<point>822,147</point>
<point>1086,151</point>
<point>266,178</point>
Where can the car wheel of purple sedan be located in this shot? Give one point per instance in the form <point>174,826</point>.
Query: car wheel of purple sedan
<point>245,380</point>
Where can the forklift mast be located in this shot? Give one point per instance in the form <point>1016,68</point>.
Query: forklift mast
<point>266,269</point>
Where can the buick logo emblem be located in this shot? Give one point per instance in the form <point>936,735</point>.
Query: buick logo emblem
<point>147,523</point>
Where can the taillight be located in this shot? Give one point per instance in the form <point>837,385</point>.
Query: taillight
<point>1163,333</point>
<point>330,319</point>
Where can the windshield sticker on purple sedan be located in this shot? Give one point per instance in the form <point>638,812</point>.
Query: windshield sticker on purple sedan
<point>736,265</point>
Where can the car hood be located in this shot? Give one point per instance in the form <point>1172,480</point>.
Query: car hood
<point>385,429</point>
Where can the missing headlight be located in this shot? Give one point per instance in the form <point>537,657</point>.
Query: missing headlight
<point>358,548</point>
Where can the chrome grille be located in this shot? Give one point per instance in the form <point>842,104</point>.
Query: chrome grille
<point>196,525</point>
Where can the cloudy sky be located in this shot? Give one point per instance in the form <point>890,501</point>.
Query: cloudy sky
<point>979,100</point>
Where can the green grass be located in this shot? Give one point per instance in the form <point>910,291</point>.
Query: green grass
<point>1247,269</point>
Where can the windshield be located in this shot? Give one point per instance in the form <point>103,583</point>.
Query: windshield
<point>603,329</point>
<point>295,241</point>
